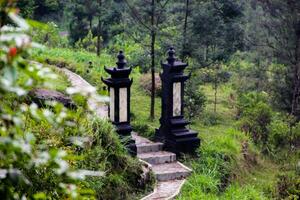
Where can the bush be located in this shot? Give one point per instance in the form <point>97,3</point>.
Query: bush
<point>89,43</point>
<point>48,34</point>
<point>288,186</point>
<point>143,129</point>
<point>194,99</point>
<point>249,100</point>
<point>279,132</point>
<point>29,168</point>
<point>146,84</point>
<point>208,75</point>
<point>255,121</point>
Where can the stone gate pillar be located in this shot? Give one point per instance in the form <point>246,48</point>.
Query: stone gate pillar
<point>119,108</point>
<point>173,132</point>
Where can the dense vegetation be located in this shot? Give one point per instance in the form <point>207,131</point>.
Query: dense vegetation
<point>242,98</point>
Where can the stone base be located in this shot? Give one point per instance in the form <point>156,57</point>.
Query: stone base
<point>180,141</point>
<point>182,145</point>
<point>131,147</point>
<point>176,137</point>
<point>124,130</point>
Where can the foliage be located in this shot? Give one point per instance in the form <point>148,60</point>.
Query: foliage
<point>48,34</point>
<point>247,101</point>
<point>208,75</point>
<point>89,43</point>
<point>24,161</point>
<point>145,83</point>
<point>135,53</point>
<point>255,121</point>
<point>214,170</point>
<point>288,186</point>
<point>78,61</point>
<point>215,33</point>
<point>194,100</point>
<point>250,73</point>
<point>41,9</point>
<point>101,17</point>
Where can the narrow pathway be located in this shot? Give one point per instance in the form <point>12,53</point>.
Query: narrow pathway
<point>82,85</point>
<point>170,174</point>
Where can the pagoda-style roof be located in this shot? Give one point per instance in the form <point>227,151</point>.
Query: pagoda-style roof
<point>116,72</point>
<point>121,70</point>
<point>172,62</point>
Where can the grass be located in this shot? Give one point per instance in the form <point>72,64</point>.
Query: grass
<point>222,172</point>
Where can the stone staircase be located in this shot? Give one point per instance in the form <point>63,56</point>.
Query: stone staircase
<point>170,174</point>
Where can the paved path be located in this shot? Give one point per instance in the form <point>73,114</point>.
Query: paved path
<point>79,84</point>
<point>170,174</point>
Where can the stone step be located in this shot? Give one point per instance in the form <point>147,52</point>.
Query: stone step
<point>165,190</point>
<point>149,147</point>
<point>170,171</point>
<point>158,157</point>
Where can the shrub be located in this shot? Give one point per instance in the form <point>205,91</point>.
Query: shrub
<point>211,118</point>
<point>249,100</point>
<point>89,43</point>
<point>143,129</point>
<point>48,34</point>
<point>255,121</point>
<point>208,75</point>
<point>279,132</point>
<point>29,169</point>
<point>288,186</point>
<point>146,83</point>
<point>194,99</point>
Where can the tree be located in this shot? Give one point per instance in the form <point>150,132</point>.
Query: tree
<point>216,33</point>
<point>184,51</point>
<point>148,14</point>
<point>79,23</point>
<point>281,24</point>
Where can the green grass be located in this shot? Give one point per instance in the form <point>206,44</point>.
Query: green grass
<point>221,158</point>
<point>78,62</point>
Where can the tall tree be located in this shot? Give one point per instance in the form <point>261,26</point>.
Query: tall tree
<point>216,31</point>
<point>184,51</point>
<point>148,14</point>
<point>99,27</point>
<point>281,23</point>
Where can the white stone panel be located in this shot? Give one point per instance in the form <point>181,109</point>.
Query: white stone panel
<point>123,104</point>
<point>176,99</point>
<point>112,104</point>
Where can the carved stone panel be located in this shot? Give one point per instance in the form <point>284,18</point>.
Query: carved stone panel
<point>112,104</point>
<point>123,104</point>
<point>176,99</point>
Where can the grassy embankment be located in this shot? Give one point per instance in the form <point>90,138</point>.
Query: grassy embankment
<point>105,152</point>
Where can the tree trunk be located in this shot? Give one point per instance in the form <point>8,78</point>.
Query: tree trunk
<point>296,79</point>
<point>99,29</point>
<point>184,50</point>
<point>153,38</point>
<point>216,92</point>
<point>90,22</point>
